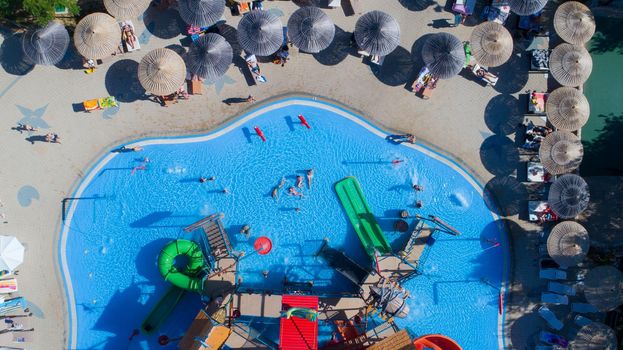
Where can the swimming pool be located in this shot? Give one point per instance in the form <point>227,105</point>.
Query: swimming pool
<point>129,209</point>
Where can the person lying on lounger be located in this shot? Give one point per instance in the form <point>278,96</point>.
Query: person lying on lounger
<point>127,34</point>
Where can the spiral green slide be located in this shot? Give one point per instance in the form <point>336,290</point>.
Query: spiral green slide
<point>186,278</point>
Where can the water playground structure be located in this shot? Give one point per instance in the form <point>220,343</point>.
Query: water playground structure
<point>204,262</point>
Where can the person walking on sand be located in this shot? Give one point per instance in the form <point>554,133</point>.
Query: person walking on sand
<point>310,177</point>
<point>250,99</point>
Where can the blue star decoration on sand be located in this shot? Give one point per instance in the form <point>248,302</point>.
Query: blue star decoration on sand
<point>26,195</point>
<point>275,11</point>
<point>143,39</point>
<point>220,83</point>
<point>109,113</point>
<point>33,117</point>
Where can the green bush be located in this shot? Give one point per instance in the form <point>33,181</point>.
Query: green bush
<point>39,12</point>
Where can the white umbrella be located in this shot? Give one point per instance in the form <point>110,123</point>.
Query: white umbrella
<point>11,253</point>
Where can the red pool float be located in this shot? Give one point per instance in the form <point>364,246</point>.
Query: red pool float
<point>263,245</point>
<point>303,121</point>
<point>260,133</point>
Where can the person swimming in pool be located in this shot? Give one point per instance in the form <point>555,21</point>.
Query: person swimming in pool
<point>275,193</point>
<point>282,183</point>
<point>294,192</point>
<point>310,177</point>
<point>299,181</point>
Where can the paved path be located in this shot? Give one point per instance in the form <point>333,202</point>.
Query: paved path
<point>37,177</point>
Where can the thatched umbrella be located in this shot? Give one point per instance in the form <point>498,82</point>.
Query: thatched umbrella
<point>561,152</point>
<point>568,243</point>
<point>210,56</point>
<point>126,9</point>
<point>46,45</point>
<point>567,108</point>
<point>260,33</point>
<point>444,55</point>
<point>201,13</point>
<point>603,287</point>
<point>311,29</point>
<point>595,336</point>
<point>97,36</point>
<point>162,71</point>
<point>377,32</point>
<point>492,44</point>
<point>527,7</point>
<point>574,23</point>
<point>571,65</point>
<point>568,196</point>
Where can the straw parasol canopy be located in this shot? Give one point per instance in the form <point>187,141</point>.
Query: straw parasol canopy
<point>210,56</point>
<point>311,29</point>
<point>568,196</point>
<point>595,336</point>
<point>603,287</point>
<point>46,45</point>
<point>567,108</point>
<point>377,32</point>
<point>97,36</point>
<point>260,33</point>
<point>568,243</point>
<point>126,9</point>
<point>11,253</point>
<point>162,71</point>
<point>492,44</point>
<point>570,65</point>
<point>574,23</point>
<point>561,152</point>
<point>201,13</point>
<point>527,7</point>
<point>444,55</point>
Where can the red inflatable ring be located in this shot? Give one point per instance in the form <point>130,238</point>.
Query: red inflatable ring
<point>263,245</point>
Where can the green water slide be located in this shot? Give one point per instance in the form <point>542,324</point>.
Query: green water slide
<point>183,279</point>
<point>363,221</point>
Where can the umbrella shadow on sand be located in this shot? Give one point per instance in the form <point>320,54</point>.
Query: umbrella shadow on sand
<point>165,24</point>
<point>12,56</point>
<point>504,195</point>
<point>499,155</point>
<point>340,48</point>
<point>397,68</point>
<point>122,81</point>
<point>502,114</point>
<point>416,59</point>
<point>513,75</point>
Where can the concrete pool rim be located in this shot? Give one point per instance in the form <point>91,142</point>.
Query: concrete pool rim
<point>229,125</point>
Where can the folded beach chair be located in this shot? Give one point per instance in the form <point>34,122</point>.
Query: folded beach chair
<point>553,274</point>
<point>8,286</point>
<point>553,298</point>
<point>561,288</point>
<point>553,339</point>
<point>583,308</point>
<point>550,318</point>
<point>99,103</point>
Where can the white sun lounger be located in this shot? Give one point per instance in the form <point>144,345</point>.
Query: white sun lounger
<point>553,298</point>
<point>550,318</point>
<point>583,308</point>
<point>561,288</point>
<point>553,274</point>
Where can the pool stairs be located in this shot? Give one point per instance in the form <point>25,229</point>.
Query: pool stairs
<point>343,264</point>
<point>214,238</point>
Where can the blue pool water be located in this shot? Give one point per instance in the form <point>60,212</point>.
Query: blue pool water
<point>123,218</point>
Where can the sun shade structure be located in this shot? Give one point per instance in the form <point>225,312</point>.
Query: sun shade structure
<point>574,23</point>
<point>11,253</point>
<point>603,287</point>
<point>527,7</point>
<point>568,196</point>
<point>97,36</point>
<point>377,33</point>
<point>593,336</point>
<point>561,152</point>
<point>126,9</point>
<point>310,29</point>
<point>162,72</point>
<point>570,65</point>
<point>209,57</point>
<point>444,55</point>
<point>567,108</point>
<point>260,33</point>
<point>492,44</point>
<point>201,13</point>
<point>568,243</point>
<point>46,45</point>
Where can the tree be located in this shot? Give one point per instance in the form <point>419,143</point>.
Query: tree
<point>39,12</point>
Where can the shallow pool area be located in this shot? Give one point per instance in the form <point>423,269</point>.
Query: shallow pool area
<point>131,204</point>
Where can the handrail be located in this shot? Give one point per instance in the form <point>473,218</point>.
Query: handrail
<point>272,345</point>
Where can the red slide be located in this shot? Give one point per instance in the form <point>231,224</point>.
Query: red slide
<point>298,333</point>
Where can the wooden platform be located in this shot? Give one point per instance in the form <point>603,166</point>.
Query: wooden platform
<point>258,305</point>
<point>396,341</point>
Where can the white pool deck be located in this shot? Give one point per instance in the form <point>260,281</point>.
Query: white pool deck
<point>36,178</point>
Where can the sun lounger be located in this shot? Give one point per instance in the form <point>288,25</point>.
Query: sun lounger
<point>550,318</point>
<point>129,40</point>
<point>582,321</point>
<point>583,308</point>
<point>536,102</point>
<point>537,173</point>
<point>553,298</point>
<point>539,60</point>
<point>465,7</point>
<point>483,74</point>
<point>561,288</point>
<point>540,212</point>
<point>553,339</point>
<point>553,274</point>
<point>254,68</point>
<point>334,3</point>
<point>195,87</point>
<point>8,286</point>
<point>531,23</point>
<point>424,84</point>
<point>243,7</point>
<point>498,11</point>
<point>99,103</point>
